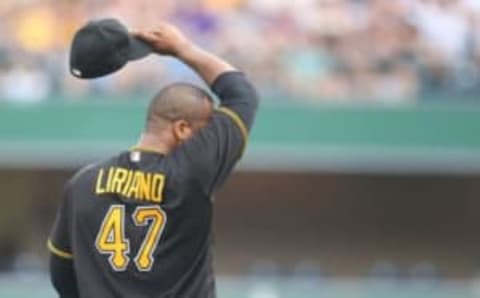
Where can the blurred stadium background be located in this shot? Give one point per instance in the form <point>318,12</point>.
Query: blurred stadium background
<point>362,178</point>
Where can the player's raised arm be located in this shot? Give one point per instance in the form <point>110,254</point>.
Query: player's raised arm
<point>237,95</point>
<point>168,40</point>
<point>212,153</point>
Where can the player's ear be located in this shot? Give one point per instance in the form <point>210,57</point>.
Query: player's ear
<point>182,130</point>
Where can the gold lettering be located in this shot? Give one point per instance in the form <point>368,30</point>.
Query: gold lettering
<point>109,180</point>
<point>119,179</point>
<point>134,186</point>
<point>98,189</point>
<point>157,188</point>
<point>144,186</point>
<point>127,183</point>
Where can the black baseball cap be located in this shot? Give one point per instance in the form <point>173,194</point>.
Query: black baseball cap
<point>102,47</point>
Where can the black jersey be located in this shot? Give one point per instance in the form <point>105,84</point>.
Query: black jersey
<point>140,223</point>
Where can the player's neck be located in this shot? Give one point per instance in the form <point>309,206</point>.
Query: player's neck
<point>153,142</point>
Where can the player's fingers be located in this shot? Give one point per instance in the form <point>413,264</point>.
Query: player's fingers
<point>137,34</point>
<point>162,26</point>
<point>163,29</point>
<point>145,36</point>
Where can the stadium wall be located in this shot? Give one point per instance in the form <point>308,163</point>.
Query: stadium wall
<point>431,138</point>
<point>342,225</point>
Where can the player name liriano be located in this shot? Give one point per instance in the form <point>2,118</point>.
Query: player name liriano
<point>133,184</point>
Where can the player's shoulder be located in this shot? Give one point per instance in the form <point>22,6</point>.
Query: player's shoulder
<point>87,172</point>
<point>80,175</point>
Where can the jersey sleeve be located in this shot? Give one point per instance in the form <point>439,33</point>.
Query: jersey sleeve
<point>212,153</point>
<point>58,242</point>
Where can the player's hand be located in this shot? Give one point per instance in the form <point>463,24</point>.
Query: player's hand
<point>166,39</point>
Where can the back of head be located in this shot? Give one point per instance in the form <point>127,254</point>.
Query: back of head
<point>179,101</point>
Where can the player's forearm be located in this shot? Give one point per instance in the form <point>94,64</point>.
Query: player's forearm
<point>63,278</point>
<point>232,87</point>
<point>167,39</point>
<point>208,66</point>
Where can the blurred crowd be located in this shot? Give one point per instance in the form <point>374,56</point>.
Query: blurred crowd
<point>342,50</point>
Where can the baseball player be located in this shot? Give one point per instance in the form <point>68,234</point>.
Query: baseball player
<point>139,224</point>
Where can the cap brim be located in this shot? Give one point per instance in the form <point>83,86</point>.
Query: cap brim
<point>138,49</point>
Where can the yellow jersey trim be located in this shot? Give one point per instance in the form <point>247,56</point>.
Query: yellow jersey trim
<point>145,149</point>
<point>58,252</point>
<point>238,121</point>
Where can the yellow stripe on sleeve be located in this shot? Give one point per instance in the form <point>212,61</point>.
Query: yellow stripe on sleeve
<point>58,252</point>
<point>145,149</point>
<point>238,121</point>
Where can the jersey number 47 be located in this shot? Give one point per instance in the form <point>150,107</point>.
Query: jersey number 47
<point>111,239</point>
